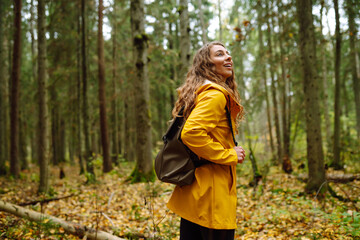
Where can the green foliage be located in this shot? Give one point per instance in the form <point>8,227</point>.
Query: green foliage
<point>90,178</point>
<point>137,176</point>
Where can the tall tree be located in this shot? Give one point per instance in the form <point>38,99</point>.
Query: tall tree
<point>202,23</point>
<point>35,131</point>
<point>263,73</point>
<point>3,87</point>
<point>42,95</point>
<point>115,146</point>
<point>337,112</point>
<point>315,154</point>
<point>285,104</point>
<point>324,80</point>
<point>107,166</point>
<point>184,38</point>
<point>353,57</point>
<point>144,166</point>
<point>78,90</point>
<point>220,21</point>
<point>273,90</point>
<point>15,85</point>
<point>85,107</point>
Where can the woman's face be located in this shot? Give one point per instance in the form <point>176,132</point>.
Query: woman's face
<point>223,64</point>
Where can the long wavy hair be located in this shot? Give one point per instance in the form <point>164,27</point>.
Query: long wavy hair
<point>203,69</point>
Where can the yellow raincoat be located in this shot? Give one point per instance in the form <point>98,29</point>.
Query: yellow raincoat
<point>210,200</point>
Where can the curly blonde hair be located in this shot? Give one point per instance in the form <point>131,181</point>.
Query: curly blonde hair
<point>201,70</point>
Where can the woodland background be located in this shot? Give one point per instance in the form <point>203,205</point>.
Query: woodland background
<point>87,89</point>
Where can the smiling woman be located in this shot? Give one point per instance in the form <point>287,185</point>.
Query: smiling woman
<point>210,201</point>
<point>222,61</point>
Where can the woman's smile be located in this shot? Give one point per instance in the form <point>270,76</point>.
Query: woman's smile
<point>222,61</point>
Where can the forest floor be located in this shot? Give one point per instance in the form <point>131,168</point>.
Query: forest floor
<point>276,209</point>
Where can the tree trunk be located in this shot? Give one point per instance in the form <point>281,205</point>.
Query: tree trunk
<point>241,85</point>
<point>85,108</point>
<point>353,60</point>
<point>273,93</point>
<point>22,142</point>
<point>336,163</point>
<point>3,90</point>
<point>263,75</point>
<point>34,130</point>
<point>144,166</point>
<point>107,166</point>
<point>220,22</point>
<point>286,163</point>
<point>129,151</point>
<point>15,85</point>
<point>69,227</point>
<point>173,75</point>
<point>43,147</point>
<point>202,23</point>
<point>114,108</point>
<point>256,173</point>
<point>184,38</point>
<point>78,93</point>
<point>324,83</point>
<point>312,114</point>
<point>55,122</point>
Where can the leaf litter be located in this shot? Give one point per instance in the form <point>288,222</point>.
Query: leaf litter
<point>276,209</point>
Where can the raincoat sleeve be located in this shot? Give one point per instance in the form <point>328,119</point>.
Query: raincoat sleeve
<point>196,134</point>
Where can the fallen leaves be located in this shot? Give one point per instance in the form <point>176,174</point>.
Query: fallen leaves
<point>277,209</point>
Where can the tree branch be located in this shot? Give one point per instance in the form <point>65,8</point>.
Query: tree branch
<point>72,228</point>
<point>42,201</point>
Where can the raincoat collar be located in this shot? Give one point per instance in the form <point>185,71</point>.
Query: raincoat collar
<point>209,84</point>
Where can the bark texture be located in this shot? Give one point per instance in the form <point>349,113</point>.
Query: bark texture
<point>3,114</point>
<point>337,111</point>
<point>184,38</point>
<point>107,166</point>
<point>353,60</point>
<point>78,94</point>
<point>324,82</point>
<point>285,104</point>
<point>202,23</point>
<point>274,93</point>
<point>144,160</point>
<point>315,154</point>
<point>115,146</point>
<point>263,75</point>
<point>85,108</point>
<point>72,228</point>
<point>15,87</point>
<point>43,147</point>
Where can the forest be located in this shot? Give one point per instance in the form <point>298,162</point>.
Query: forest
<point>86,93</point>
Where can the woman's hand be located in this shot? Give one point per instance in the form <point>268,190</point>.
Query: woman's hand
<point>240,154</point>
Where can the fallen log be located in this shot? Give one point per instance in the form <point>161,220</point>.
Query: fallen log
<point>334,177</point>
<point>69,227</point>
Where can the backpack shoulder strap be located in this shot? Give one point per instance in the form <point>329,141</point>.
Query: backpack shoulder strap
<point>228,116</point>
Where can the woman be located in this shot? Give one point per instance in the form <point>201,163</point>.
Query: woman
<point>207,207</point>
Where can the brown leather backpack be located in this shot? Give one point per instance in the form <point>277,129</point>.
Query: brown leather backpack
<point>176,163</point>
